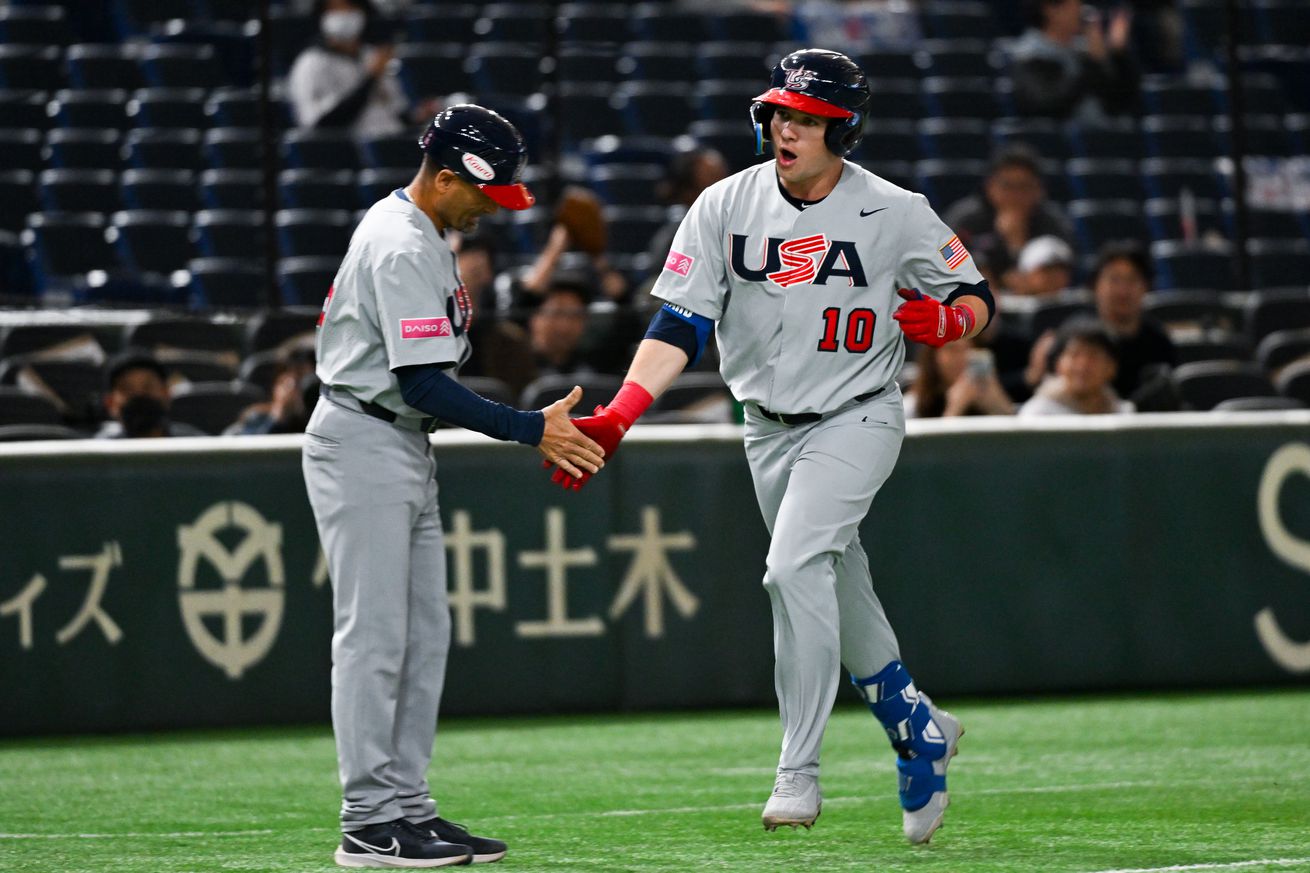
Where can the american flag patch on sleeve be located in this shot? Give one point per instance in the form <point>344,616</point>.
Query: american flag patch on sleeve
<point>954,253</point>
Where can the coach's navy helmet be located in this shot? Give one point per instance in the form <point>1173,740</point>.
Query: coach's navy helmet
<point>818,82</point>
<point>482,148</point>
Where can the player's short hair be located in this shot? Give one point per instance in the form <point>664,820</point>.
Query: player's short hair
<point>1015,154</point>
<point>1125,250</point>
<point>129,360</point>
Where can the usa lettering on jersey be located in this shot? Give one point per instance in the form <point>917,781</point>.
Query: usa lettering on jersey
<point>810,259</point>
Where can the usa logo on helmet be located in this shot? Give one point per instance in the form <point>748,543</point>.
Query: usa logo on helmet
<point>799,79</point>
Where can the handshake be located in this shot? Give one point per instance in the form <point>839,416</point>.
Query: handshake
<point>571,458</point>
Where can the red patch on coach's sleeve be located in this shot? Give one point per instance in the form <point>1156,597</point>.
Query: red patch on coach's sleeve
<point>420,328</point>
<point>679,263</point>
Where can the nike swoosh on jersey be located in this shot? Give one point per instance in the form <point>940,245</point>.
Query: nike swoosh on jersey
<point>393,849</point>
<point>864,214</point>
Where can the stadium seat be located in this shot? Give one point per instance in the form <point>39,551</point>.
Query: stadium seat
<point>91,149</point>
<point>373,185</point>
<point>21,109</point>
<point>70,244</point>
<point>1168,95</point>
<point>1109,139</point>
<point>896,140</point>
<point>1041,135</point>
<point>24,338</point>
<point>317,189</point>
<point>691,388</point>
<point>230,233</point>
<point>314,232</point>
<point>961,97</point>
<point>182,108</point>
<point>722,99</point>
<point>889,62</point>
<point>153,241</point>
<point>195,367</point>
<point>1167,219</point>
<point>290,30</point>
<point>18,406</point>
<point>631,228</point>
<point>93,65</point>
<point>390,152</point>
<point>1263,95</point>
<point>35,67</point>
<point>1104,179</point>
<point>163,149</point>
<point>591,64</point>
<point>504,69</point>
<point>627,150</point>
<point>34,25</point>
<point>587,111</point>
<point>1203,384</point>
<point>1268,223</point>
<point>177,65</point>
<point>79,191</point>
<point>1180,136</point>
<point>596,388</point>
<point>525,24</point>
<point>653,108</point>
<point>1294,381</point>
<point>271,328</point>
<point>1263,135</point>
<point>212,406</point>
<point>1279,263</point>
<point>240,107</point>
<point>222,282</point>
<point>234,148</point>
<point>892,99</point>
<point>626,184</point>
<point>319,150</point>
<point>304,281</point>
<point>90,108</point>
<point>953,138</point>
<point>261,369</point>
<point>955,58</point>
<point>958,19</point>
<point>899,173</point>
<point>22,150</point>
<point>1279,348</point>
<point>134,17</point>
<point>663,62</point>
<point>17,199</point>
<point>945,182</point>
<point>741,25</point>
<point>1098,222</point>
<point>158,189</point>
<point>1192,310</point>
<point>13,433</point>
<point>1169,177</point>
<point>726,137</point>
<point>1205,266</point>
<point>1269,311</point>
<point>76,383</point>
<point>1212,345</point>
<point>1258,404</point>
<point>659,22</point>
<point>740,61</point>
<point>232,189</point>
<point>448,22</point>
<point>429,68</point>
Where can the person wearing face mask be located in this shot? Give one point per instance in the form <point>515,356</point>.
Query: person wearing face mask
<point>341,83</point>
<point>137,400</point>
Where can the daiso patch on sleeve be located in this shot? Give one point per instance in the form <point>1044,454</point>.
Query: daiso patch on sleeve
<point>678,263</point>
<point>423,328</point>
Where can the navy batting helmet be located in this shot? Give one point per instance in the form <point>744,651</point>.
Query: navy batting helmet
<point>819,82</point>
<point>482,148</point>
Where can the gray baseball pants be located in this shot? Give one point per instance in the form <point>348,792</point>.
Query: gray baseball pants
<point>373,490</point>
<point>815,483</point>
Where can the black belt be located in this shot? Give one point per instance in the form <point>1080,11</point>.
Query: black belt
<point>811,417</point>
<point>423,425</point>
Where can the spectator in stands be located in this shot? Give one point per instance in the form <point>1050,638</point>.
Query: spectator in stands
<point>291,399</point>
<point>1080,378</point>
<point>690,172</point>
<point>557,327</point>
<point>1070,64</point>
<point>342,83</point>
<point>138,398</point>
<point>579,225</point>
<point>957,379</point>
<point>1121,282</point>
<point>1011,209</point>
<point>475,258</point>
<point>1044,268</point>
<point>501,349</point>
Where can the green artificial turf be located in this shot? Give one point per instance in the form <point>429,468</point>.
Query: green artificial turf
<point>1161,782</point>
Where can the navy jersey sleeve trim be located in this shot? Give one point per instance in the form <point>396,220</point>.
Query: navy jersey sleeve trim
<point>427,388</point>
<point>682,328</point>
<point>981,290</point>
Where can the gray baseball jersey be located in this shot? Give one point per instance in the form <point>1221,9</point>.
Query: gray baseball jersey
<point>397,300</point>
<point>803,299</point>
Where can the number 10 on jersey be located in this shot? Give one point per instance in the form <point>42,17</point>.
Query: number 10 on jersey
<point>859,330</point>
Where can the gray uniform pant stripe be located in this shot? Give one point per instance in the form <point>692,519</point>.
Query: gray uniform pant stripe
<point>815,484</point>
<point>374,495</point>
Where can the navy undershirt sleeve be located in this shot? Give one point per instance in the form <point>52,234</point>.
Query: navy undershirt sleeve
<point>427,388</point>
<point>982,290</point>
<point>681,328</point>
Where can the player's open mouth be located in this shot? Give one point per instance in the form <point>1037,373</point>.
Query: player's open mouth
<point>786,157</point>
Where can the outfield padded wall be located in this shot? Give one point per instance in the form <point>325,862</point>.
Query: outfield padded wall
<point>179,583</point>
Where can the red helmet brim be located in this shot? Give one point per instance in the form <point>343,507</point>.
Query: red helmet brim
<point>803,102</point>
<point>515,196</point>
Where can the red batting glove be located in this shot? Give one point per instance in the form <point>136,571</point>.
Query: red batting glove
<point>927,321</point>
<point>606,427</point>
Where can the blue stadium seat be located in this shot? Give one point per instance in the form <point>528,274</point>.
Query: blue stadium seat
<point>1264,135</point>
<point>1204,266</point>
<point>653,108</point>
<point>1104,178</point>
<point>890,62</point>
<point>240,107</point>
<point>889,140</point>
<point>400,151</point>
<point>626,184</point>
<point>34,25</point>
<point>504,69</point>
<point>956,58</point>
<point>182,108</point>
<point>24,109</point>
<point>660,23</point>
<point>727,138</point>
<point>314,232</point>
<point>319,150</point>
<point>1204,384</point>
<point>1282,347</point>
<point>134,17</point>
<point>373,185</point>
<point>230,233</point>
<point>953,138</point>
<point>233,148</point>
<point>894,99</point>
<point>1281,263</point>
<point>212,406</point>
<point>79,190</point>
<point>1041,135</point>
<point>1109,139</point>
<point>220,282</point>
<point>317,189</point>
<point>33,67</point>
<point>152,241</point>
<point>586,111</point>
<point>17,199</point>
<point>22,149</point>
<point>446,22</point>
<point>1169,177</point>
<point>232,189</point>
<point>663,62</point>
<point>944,182</point>
<point>305,281</point>
<point>1098,222</point>
<point>959,19</point>
<point>90,108</point>
<point>1168,95</point>
<point>722,99</point>
<point>170,149</point>
<point>524,24</point>
<point>592,64</point>
<point>590,22</point>
<point>741,25</point>
<point>1166,218</point>
<point>177,65</point>
<point>68,245</point>
<point>1180,136</point>
<point>899,173</point>
<point>84,148</point>
<point>159,189</point>
<point>93,65</point>
<point>743,61</point>
<point>429,68</point>
<point>961,97</point>
<point>627,150</point>
<point>290,29</point>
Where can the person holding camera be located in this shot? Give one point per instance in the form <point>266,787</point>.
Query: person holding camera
<point>957,379</point>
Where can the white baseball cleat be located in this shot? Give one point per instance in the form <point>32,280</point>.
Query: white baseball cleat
<point>920,824</point>
<point>796,800</point>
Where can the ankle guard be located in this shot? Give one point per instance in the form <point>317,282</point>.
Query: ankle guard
<point>894,701</point>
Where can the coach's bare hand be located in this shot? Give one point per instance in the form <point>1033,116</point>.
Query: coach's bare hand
<point>563,444</point>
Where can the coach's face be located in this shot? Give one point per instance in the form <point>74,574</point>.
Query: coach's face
<point>802,155</point>
<point>462,203</point>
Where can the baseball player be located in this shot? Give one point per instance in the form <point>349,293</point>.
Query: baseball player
<point>391,335</point>
<point>813,271</point>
